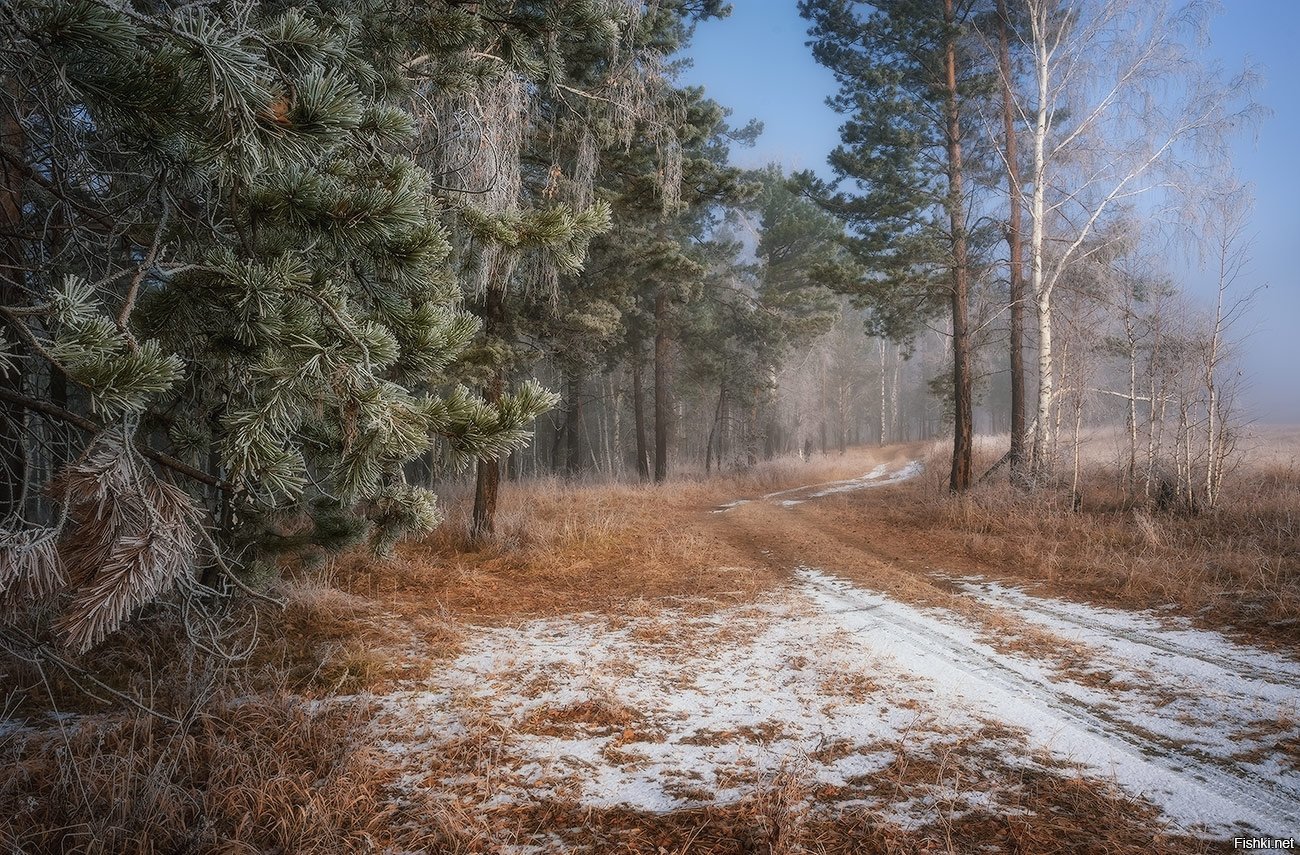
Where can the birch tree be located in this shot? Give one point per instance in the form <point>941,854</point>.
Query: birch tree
<point>1227,218</point>
<point>1118,107</point>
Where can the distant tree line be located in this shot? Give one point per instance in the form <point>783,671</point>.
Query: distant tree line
<point>1004,159</point>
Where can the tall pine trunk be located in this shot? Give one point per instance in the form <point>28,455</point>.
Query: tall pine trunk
<point>960,476</point>
<point>661,385</point>
<point>1015,249</point>
<point>713,434</point>
<point>724,427</point>
<point>573,426</point>
<point>638,414</point>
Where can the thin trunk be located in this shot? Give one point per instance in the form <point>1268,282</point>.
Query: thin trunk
<point>591,446</point>
<point>821,406</point>
<point>1041,453</point>
<point>1152,441</point>
<point>1185,431</point>
<point>752,430</point>
<point>883,411</point>
<point>1151,434</point>
<point>724,426</point>
<point>573,461</point>
<point>1015,248</point>
<point>638,415</point>
<point>614,440</point>
<point>13,459</point>
<point>487,482</point>
<point>843,415</point>
<point>1078,429</point>
<point>662,413</point>
<point>1131,333</point>
<point>894,428</point>
<point>1060,401</point>
<point>713,432</point>
<point>1211,386</point>
<point>960,477</point>
<point>557,445</point>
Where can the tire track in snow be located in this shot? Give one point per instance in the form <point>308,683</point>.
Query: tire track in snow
<point>1022,602</point>
<point>875,478</point>
<point>1191,787</point>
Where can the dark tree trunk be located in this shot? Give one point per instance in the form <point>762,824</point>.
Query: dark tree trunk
<point>1015,253</point>
<point>488,477</point>
<point>13,459</point>
<point>724,426</point>
<point>573,462</point>
<point>713,433</point>
<point>638,415</point>
<point>752,434</point>
<point>960,477</point>
<point>557,445</point>
<point>661,386</point>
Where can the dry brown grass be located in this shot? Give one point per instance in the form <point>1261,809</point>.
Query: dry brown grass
<point>564,547</point>
<point>1037,809</point>
<point>262,775</point>
<point>264,770</point>
<point>1237,565</point>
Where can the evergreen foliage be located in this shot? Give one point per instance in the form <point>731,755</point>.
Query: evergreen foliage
<point>231,245</point>
<point>892,188</point>
<point>908,71</point>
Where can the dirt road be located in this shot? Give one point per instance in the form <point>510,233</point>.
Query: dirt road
<point>874,686</point>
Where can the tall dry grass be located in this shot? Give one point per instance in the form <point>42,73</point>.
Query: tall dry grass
<point>1237,564</point>
<point>236,775</point>
<point>561,546</point>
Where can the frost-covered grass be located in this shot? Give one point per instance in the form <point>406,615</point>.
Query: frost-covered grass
<point>1236,565</point>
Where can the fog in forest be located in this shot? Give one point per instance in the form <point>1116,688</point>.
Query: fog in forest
<point>761,427</point>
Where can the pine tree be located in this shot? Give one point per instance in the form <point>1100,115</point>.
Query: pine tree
<point>659,249</point>
<point>906,77</point>
<point>229,287</point>
<point>800,248</point>
<point>605,86</point>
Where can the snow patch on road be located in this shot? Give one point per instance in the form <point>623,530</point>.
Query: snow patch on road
<point>875,478</point>
<point>714,705</point>
<point>672,708</point>
<point>1164,752</point>
<point>1226,701</point>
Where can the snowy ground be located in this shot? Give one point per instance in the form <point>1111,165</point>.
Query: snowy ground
<point>833,684</point>
<point>880,476</point>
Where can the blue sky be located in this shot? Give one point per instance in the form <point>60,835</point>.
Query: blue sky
<point>756,63</point>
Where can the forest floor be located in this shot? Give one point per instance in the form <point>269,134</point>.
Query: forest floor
<point>828,656</point>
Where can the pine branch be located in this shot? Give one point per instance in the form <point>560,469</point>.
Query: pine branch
<point>134,290</point>
<point>89,426</point>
